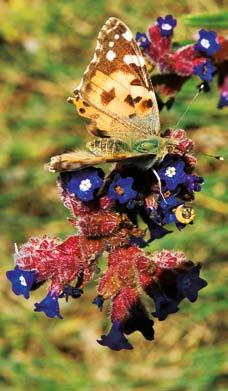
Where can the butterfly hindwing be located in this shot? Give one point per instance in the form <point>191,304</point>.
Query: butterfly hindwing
<point>80,159</point>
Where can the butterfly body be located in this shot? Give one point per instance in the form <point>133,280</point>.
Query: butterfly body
<point>116,95</point>
<point>107,146</point>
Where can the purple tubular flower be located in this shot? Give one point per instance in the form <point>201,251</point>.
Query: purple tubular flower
<point>157,231</point>
<point>49,305</point>
<point>164,305</point>
<point>139,242</point>
<point>115,339</point>
<point>172,173</point>
<point>21,281</point>
<point>168,203</point>
<point>138,321</point>
<point>193,183</point>
<point>83,183</point>
<point>205,71</point>
<point>223,100</point>
<point>189,283</point>
<point>70,291</point>
<point>121,190</point>
<point>166,25</point>
<point>99,301</point>
<point>169,218</point>
<point>207,42</point>
<point>143,40</point>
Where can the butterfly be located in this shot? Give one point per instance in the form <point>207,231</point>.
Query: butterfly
<point>117,96</point>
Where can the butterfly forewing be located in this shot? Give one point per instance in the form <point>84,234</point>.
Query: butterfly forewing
<point>115,92</point>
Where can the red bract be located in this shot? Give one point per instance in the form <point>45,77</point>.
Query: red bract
<point>125,266</point>
<point>159,47</point>
<point>167,259</point>
<point>181,144</point>
<point>123,303</point>
<point>99,223</point>
<point>38,254</point>
<point>60,262</point>
<point>72,203</point>
<point>168,61</point>
<point>186,59</point>
<point>123,238</point>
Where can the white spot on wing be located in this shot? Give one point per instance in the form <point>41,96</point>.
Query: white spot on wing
<point>116,36</point>
<point>133,59</point>
<point>110,55</point>
<point>99,46</point>
<point>111,44</point>
<point>127,35</point>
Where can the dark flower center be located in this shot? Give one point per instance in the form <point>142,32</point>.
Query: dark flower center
<point>186,283</point>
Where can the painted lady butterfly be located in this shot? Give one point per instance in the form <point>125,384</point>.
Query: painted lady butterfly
<point>116,94</point>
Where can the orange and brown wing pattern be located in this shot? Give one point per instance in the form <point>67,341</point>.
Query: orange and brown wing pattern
<point>115,91</point>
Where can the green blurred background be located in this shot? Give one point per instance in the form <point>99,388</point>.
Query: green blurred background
<point>45,46</point>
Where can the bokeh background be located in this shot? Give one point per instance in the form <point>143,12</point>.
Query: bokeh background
<point>45,47</point>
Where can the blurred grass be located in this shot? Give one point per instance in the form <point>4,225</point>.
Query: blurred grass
<point>45,46</point>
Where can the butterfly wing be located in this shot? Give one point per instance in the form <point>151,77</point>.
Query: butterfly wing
<point>115,92</point>
<point>79,159</point>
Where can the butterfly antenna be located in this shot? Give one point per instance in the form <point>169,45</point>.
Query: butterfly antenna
<point>213,156</point>
<point>159,184</point>
<point>15,254</point>
<point>200,89</point>
<point>15,248</point>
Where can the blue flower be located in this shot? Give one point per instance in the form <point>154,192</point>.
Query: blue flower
<point>205,71</point>
<point>164,305</point>
<point>223,101</point>
<point>172,173</point>
<point>138,321</point>
<point>49,305</point>
<point>99,301</point>
<point>143,40</point>
<point>189,283</point>
<point>166,210</point>
<point>169,218</point>
<point>166,25</point>
<point>83,183</point>
<point>138,241</point>
<point>157,231</point>
<point>207,42</point>
<point>72,291</point>
<point>115,339</point>
<point>121,189</point>
<point>168,203</point>
<point>21,280</point>
<point>193,183</point>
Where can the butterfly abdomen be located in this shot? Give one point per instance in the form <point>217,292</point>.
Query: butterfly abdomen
<point>107,147</point>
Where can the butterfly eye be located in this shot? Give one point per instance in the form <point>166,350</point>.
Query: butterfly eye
<point>150,146</point>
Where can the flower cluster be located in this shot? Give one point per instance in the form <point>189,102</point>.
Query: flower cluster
<point>105,209</point>
<point>172,67</point>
